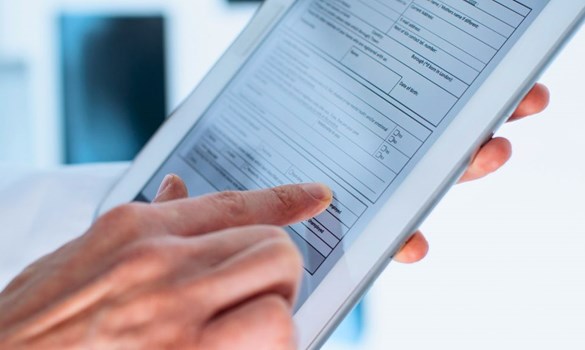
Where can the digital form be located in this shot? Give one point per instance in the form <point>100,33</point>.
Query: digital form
<point>349,93</point>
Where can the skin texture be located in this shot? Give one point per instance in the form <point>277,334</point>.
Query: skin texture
<point>213,272</point>
<point>204,273</point>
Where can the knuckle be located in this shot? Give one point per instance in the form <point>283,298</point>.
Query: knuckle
<point>286,254</point>
<point>233,203</point>
<point>285,199</point>
<point>273,232</point>
<point>127,220</point>
<point>144,250</point>
<point>145,308</point>
<point>125,212</point>
<point>123,215</point>
<point>145,256</point>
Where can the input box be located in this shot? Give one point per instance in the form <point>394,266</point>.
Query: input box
<point>371,70</point>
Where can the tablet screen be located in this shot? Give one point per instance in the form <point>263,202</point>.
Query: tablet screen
<point>350,93</point>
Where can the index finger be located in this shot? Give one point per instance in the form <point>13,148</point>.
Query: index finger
<point>278,206</point>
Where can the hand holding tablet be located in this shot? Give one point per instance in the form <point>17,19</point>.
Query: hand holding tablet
<point>489,158</point>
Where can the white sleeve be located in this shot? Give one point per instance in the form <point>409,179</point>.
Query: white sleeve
<point>42,210</point>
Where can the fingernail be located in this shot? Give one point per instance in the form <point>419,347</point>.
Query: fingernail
<point>318,191</point>
<point>165,184</point>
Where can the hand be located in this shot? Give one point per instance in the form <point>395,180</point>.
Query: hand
<point>179,273</point>
<point>490,157</point>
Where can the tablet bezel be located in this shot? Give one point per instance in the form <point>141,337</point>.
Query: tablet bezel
<point>180,121</point>
<point>362,262</point>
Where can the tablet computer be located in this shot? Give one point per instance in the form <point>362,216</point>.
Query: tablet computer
<point>385,101</point>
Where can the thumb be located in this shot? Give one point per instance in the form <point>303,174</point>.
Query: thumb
<point>171,188</point>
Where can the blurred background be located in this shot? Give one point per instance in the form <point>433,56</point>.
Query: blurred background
<point>90,80</point>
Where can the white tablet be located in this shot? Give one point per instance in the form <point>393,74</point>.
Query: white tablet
<point>383,100</point>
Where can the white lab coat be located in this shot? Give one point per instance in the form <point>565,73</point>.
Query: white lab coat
<point>41,210</point>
